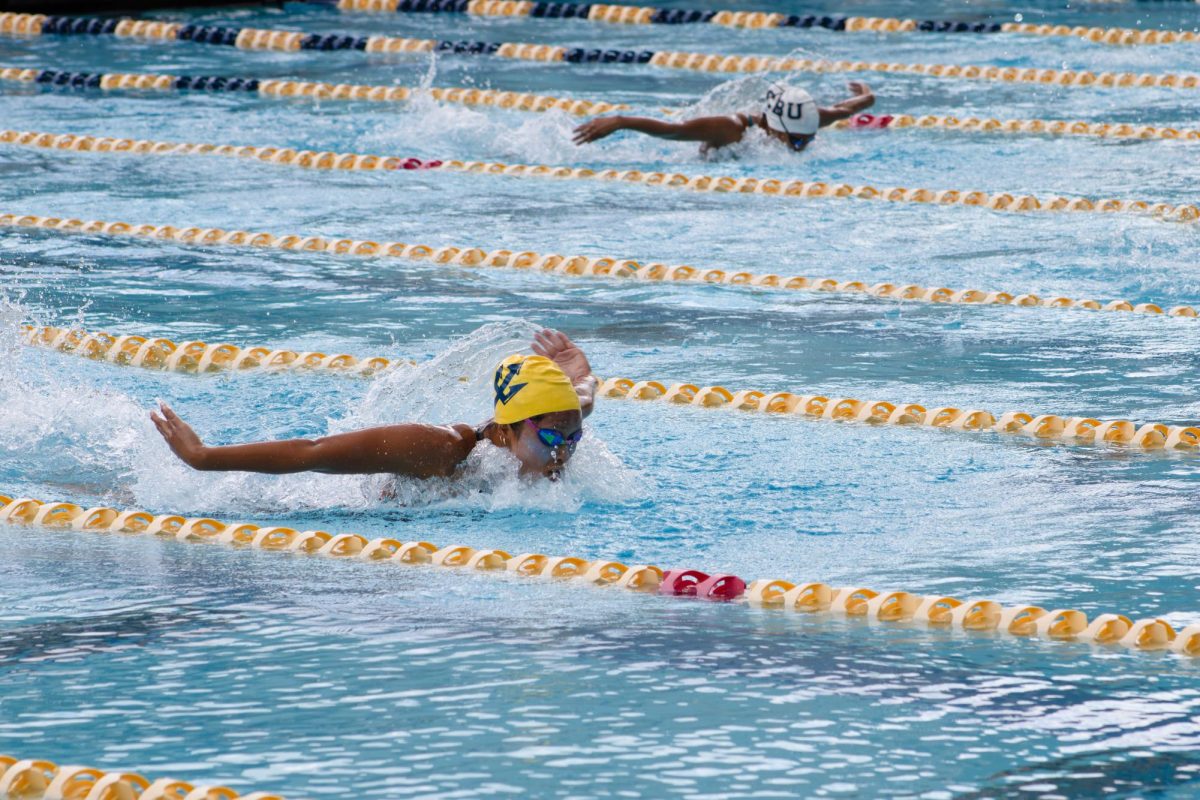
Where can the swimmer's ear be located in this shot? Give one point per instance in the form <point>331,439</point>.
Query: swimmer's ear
<point>499,435</point>
<point>510,434</point>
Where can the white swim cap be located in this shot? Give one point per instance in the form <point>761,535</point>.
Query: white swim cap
<point>791,110</point>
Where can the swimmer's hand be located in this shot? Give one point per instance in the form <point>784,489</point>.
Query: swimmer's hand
<point>179,436</point>
<point>859,88</point>
<point>596,129</point>
<point>556,346</point>
<point>860,101</point>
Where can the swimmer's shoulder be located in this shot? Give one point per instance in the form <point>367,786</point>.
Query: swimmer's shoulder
<point>732,135</point>
<point>455,445</point>
<point>468,435</point>
<point>745,121</point>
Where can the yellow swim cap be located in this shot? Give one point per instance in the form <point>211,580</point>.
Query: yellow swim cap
<point>529,386</point>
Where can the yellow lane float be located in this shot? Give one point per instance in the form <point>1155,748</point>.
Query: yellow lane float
<point>859,602</point>
<point>1031,127</point>
<point>1044,427</point>
<point>23,25</point>
<point>552,263</point>
<point>523,101</point>
<point>317,90</point>
<point>199,357</point>
<point>763,20</point>
<point>39,779</point>
<point>719,184</point>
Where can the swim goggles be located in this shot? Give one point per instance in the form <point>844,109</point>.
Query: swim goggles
<point>799,141</point>
<point>554,439</point>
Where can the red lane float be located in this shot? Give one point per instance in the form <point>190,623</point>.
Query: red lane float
<point>871,121</point>
<point>694,583</point>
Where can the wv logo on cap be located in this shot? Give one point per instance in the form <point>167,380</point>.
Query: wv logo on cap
<point>505,390</point>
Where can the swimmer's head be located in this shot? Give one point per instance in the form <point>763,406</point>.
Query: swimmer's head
<point>538,416</point>
<point>790,115</point>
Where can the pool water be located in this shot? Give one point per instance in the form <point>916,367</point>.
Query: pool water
<point>323,678</point>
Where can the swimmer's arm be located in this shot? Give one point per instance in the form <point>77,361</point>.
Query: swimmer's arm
<point>713,131</point>
<point>586,389</point>
<point>415,450</point>
<point>862,100</point>
<point>558,347</point>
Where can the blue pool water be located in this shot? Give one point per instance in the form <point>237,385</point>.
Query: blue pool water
<point>317,678</point>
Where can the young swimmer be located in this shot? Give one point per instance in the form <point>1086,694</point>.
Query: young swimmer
<point>789,114</point>
<point>540,403</point>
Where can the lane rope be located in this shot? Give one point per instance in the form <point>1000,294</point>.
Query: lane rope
<point>856,602</point>
<point>286,89</point>
<point>522,101</point>
<point>771,187</point>
<point>195,356</point>
<point>576,265</point>
<point>14,24</point>
<point>200,357</point>
<point>39,779</point>
<point>1041,427</point>
<point>1038,127</point>
<point>756,20</point>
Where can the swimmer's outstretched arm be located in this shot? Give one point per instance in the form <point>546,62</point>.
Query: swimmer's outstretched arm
<point>862,100</point>
<point>713,131</point>
<point>419,451</point>
<point>412,449</point>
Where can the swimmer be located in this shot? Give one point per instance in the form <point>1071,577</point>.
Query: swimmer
<point>789,114</point>
<point>540,403</point>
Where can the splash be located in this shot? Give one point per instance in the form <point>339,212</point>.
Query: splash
<point>81,435</point>
<point>738,95</point>
<point>447,130</point>
<point>89,441</point>
<point>93,440</point>
<point>456,386</point>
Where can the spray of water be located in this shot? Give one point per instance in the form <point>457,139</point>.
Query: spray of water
<point>88,440</point>
<point>75,436</point>
<point>518,137</point>
<point>456,386</point>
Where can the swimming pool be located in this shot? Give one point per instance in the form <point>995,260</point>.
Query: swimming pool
<point>339,678</point>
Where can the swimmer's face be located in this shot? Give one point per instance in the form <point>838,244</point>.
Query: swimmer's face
<point>537,459</point>
<point>795,142</point>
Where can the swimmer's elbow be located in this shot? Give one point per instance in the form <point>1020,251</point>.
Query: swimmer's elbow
<point>586,389</point>
<point>676,132</point>
<point>832,115</point>
<point>328,454</point>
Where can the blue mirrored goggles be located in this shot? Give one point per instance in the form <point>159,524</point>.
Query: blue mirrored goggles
<point>554,439</point>
<point>799,141</point>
